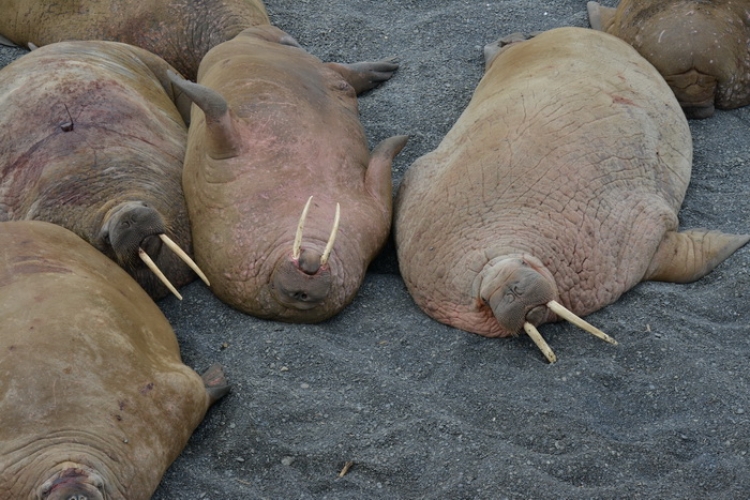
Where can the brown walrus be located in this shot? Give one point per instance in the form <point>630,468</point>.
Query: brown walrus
<point>278,135</point>
<point>95,402</point>
<point>701,47</point>
<point>92,141</point>
<point>179,31</point>
<point>556,190</point>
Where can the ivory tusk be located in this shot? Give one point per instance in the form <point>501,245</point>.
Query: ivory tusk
<point>334,230</point>
<point>184,257</point>
<point>564,313</point>
<point>300,225</point>
<point>539,341</point>
<point>151,265</point>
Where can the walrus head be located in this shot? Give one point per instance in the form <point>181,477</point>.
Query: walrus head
<point>302,280</point>
<point>522,294</point>
<point>73,483</point>
<point>135,231</point>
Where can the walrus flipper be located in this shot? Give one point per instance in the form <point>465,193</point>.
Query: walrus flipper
<point>378,176</point>
<point>600,17</point>
<point>7,43</point>
<point>689,255</point>
<point>216,383</point>
<point>364,76</point>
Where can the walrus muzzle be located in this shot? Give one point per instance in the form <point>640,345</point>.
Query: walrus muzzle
<point>134,231</point>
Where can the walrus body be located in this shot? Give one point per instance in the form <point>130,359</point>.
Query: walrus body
<point>179,31</point>
<point>92,141</point>
<point>276,127</point>
<point>95,401</point>
<point>561,181</point>
<point>701,47</point>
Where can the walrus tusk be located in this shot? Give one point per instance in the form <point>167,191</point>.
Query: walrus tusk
<point>539,341</point>
<point>184,257</point>
<point>561,311</point>
<point>151,265</point>
<point>334,230</point>
<point>300,225</point>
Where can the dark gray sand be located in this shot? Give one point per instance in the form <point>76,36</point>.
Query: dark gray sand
<point>424,411</point>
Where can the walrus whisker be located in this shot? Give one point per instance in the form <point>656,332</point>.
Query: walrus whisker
<point>155,269</point>
<point>564,313</point>
<point>184,257</point>
<point>334,230</point>
<point>539,341</point>
<point>300,225</point>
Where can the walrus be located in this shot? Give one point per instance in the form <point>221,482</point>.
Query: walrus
<point>93,141</point>
<point>701,47</point>
<point>287,204</point>
<point>179,31</point>
<point>95,402</point>
<point>556,191</point>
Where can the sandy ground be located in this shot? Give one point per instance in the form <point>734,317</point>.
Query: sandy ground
<point>426,411</point>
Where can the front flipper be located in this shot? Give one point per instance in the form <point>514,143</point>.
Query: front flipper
<point>215,382</point>
<point>378,178</point>
<point>366,75</point>
<point>7,43</point>
<point>223,136</point>
<point>689,255</point>
<point>600,18</point>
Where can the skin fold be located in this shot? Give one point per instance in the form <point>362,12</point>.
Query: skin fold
<point>115,404</point>
<point>179,31</point>
<point>277,127</point>
<point>93,142</point>
<point>560,181</point>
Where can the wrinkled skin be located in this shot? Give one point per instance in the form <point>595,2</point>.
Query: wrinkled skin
<point>93,142</point>
<point>94,398</point>
<point>288,129</point>
<point>701,47</point>
<point>560,181</point>
<point>179,31</point>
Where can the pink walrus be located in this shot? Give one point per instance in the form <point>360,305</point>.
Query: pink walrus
<point>288,205</point>
<point>93,141</point>
<point>556,191</point>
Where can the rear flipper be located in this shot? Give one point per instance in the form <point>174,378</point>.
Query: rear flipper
<point>689,255</point>
<point>7,43</point>
<point>215,382</point>
<point>492,50</point>
<point>600,18</point>
<point>364,76</point>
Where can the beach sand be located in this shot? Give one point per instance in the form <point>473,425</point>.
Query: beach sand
<point>424,411</point>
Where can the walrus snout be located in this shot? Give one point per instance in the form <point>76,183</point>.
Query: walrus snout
<point>130,226</point>
<point>301,284</point>
<point>517,290</point>
<point>73,484</point>
<point>134,231</point>
<point>309,261</point>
